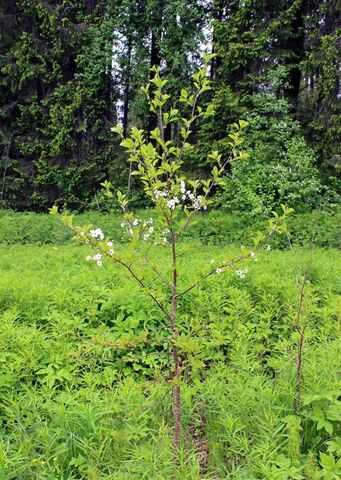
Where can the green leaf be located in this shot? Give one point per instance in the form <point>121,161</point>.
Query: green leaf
<point>117,129</point>
<point>53,210</point>
<point>127,143</point>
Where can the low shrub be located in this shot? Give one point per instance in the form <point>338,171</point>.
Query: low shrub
<point>215,227</point>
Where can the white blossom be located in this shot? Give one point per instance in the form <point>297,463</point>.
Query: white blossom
<point>96,258</point>
<point>148,222</point>
<point>242,273</point>
<point>111,252</point>
<point>172,203</point>
<point>218,270</point>
<point>182,187</point>
<point>159,194</point>
<point>97,233</point>
<point>110,244</point>
<point>268,247</point>
<point>151,229</point>
<point>198,204</point>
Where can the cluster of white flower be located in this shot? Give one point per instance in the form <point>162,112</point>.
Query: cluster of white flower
<point>96,258</point>
<point>197,202</point>
<point>173,202</point>
<point>242,273</point>
<point>134,223</point>
<point>148,222</point>
<point>111,251</point>
<point>148,225</point>
<point>254,256</point>
<point>147,234</point>
<point>163,236</point>
<point>97,233</point>
<point>159,194</point>
<point>130,226</point>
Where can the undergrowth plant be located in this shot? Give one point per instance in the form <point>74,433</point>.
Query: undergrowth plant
<point>316,423</point>
<point>74,407</point>
<point>157,161</point>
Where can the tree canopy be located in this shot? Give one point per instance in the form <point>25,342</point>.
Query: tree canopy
<point>72,69</point>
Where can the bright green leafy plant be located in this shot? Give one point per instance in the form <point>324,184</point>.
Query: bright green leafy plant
<point>157,161</point>
<point>111,419</point>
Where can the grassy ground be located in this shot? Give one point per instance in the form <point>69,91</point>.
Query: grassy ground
<point>84,390</point>
<point>216,228</point>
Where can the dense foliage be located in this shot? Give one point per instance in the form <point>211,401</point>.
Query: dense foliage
<point>76,404</point>
<point>69,70</point>
<point>212,228</point>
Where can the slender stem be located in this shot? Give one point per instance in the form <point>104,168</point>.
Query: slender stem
<point>301,330</point>
<point>176,358</point>
<point>226,265</point>
<point>299,375</point>
<point>301,284</point>
<point>140,282</point>
<point>130,270</point>
<point>190,121</point>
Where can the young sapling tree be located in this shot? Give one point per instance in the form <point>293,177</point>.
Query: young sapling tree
<point>176,199</point>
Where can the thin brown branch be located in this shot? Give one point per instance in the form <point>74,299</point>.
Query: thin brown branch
<point>225,266</point>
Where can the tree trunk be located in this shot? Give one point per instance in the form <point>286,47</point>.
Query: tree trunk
<point>176,390</point>
<point>126,100</point>
<point>155,60</point>
<point>217,17</point>
<point>295,47</point>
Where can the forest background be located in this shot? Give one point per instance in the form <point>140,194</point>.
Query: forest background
<point>72,69</point>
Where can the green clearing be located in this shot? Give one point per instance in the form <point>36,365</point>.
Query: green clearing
<point>72,406</point>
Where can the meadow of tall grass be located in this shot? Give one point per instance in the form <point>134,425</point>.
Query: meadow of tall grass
<point>84,388</point>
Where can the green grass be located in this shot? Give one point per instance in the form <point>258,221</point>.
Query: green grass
<point>77,403</point>
<point>213,228</point>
